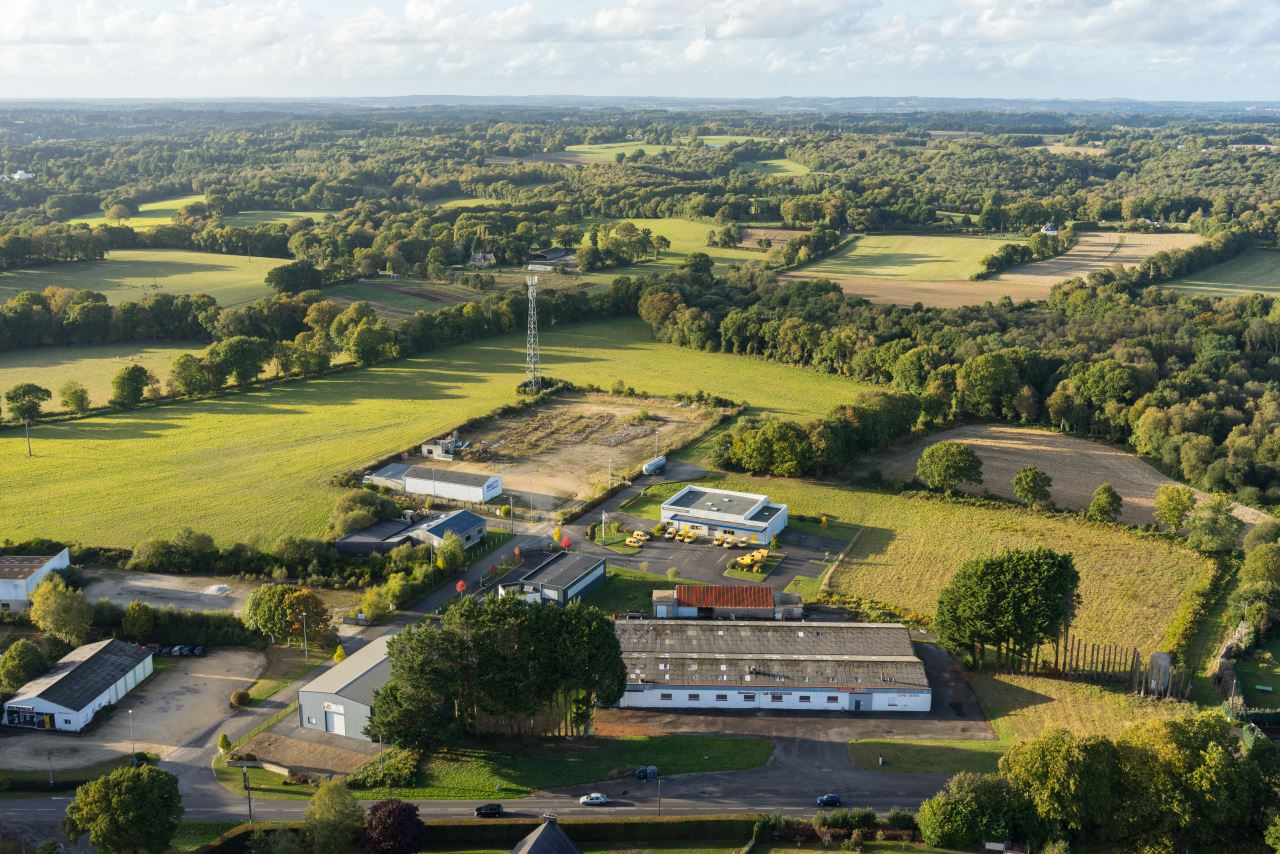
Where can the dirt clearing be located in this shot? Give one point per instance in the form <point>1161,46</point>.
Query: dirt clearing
<point>565,449</point>
<point>1077,467</point>
<point>169,709</point>
<point>779,236</point>
<point>189,592</point>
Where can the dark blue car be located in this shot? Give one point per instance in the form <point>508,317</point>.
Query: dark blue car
<point>829,801</point>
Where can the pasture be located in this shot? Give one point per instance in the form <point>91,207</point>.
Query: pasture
<point>720,140</point>
<point>256,465</point>
<point>777,166</point>
<point>248,219</point>
<point>93,366</point>
<point>910,547</point>
<point>607,151</point>
<point>1094,250</point>
<point>127,275</point>
<point>905,257</point>
<point>149,215</point>
<point>934,269</point>
<point>1019,708</point>
<point>1077,467</point>
<point>686,236</point>
<point>1252,271</point>
<point>399,299</point>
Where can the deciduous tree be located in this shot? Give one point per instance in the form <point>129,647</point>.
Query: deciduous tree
<point>20,663</point>
<point>61,611</point>
<point>25,401</point>
<point>74,396</point>
<point>1173,504</point>
<point>1105,505</point>
<point>945,465</point>
<point>1031,486</point>
<point>393,827</point>
<point>333,819</point>
<point>129,810</point>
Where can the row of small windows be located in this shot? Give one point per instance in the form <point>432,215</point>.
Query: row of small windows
<point>746,698</point>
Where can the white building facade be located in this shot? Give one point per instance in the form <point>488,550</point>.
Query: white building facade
<point>820,667</point>
<point>463,486</point>
<point>21,574</point>
<point>81,684</point>
<point>718,511</point>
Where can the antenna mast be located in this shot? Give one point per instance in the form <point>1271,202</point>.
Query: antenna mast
<point>532,353</point>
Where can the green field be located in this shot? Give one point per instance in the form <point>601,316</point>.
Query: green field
<point>686,236</point>
<point>1019,708</point>
<point>128,275</point>
<point>1261,670</point>
<point>910,547</point>
<point>1252,270</point>
<point>460,202</point>
<point>257,464</point>
<point>627,591</point>
<point>718,140</point>
<point>607,151</point>
<point>149,215</point>
<point>93,366</point>
<point>397,300</point>
<point>909,257</point>
<point>248,219</point>
<point>778,166</point>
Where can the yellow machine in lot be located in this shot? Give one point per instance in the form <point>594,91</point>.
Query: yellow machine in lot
<point>671,533</point>
<point>642,536</point>
<point>730,542</point>
<point>718,541</point>
<point>687,536</point>
<point>634,542</point>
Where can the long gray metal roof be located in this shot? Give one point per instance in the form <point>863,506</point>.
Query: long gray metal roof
<point>445,475</point>
<point>82,675</point>
<point>358,676</point>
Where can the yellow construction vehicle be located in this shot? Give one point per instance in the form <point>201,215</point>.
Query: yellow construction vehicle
<point>718,541</point>
<point>642,536</point>
<point>634,542</point>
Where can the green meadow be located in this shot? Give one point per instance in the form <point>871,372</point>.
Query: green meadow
<point>686,236</point>
<point>257,464</point>
<point>149,215</point>
<point>92,366</point>
<point>248,219</point>
<point>128,275</point>
<point>1254,270</point>
<point>912,257</point>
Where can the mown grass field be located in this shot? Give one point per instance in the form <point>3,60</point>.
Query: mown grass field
<point>93,366</point>
<point>1019,708</point>
<point>257,464</point>
<point>777,166</point>
<point>909,257</point>
<point>127,275</point>
<point>720,140</point>
<point>607,151</point>
<point>910,547</point>
<point>247,219</point>
<point>149,215</point>
<point>686,236</point>
<point>1254,270</point>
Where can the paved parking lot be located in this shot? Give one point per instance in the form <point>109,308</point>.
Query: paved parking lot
<point>805,555</point>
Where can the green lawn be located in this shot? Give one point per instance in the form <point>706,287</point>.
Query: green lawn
<point>257,464</point>
<point>727,847</point>
<point>192,835</point>
<point>460,202</point>
<point>910,547</point>
<point>807,587</point>
<point>1252,270</point>
<point>405,299</point>
<point>628,591</point>
<point>520,769</point>
<point>607,151</point>
<point>867,848</point>
<point>649,503</point>
<point>149,215</point>
<point>1019,708</point>
<point>686,236</point>
<point>778,166</point>
<point>127,275</point>
<point>1261,668</point>
<point>93,366</point>
<point>248,219</point>
<point>907,257</point>
<point>718,140</point>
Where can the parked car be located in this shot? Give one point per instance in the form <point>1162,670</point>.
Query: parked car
<point>595,799</point>
<point>153,648</point>
<point>489,811</point>
<point>166,650</point>
<point>670,533</point>
<point>829,800</point>
<point>635,615</point>
<point>640,535</point>
<point>182,650</point>
<point>198,651</point>
<point>634,543</point>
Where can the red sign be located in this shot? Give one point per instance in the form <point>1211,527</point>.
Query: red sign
<point>564,544</point>
<point>461,586</point>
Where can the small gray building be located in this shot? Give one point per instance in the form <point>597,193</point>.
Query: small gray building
<point>85,681</point>
<point>560,578</point>
<point>339,700</point>
<point>382,537</point>
<point>467,526</point>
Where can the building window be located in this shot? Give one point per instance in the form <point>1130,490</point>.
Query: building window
<point>695,697</point>
<point>722,698</point>
<point>311,720</point>
<point>804,698</point>
<point>777,698</point>
<point>833,699</point>
<point>66,721</point>
<point>664,696</point>
<point>748,698</point>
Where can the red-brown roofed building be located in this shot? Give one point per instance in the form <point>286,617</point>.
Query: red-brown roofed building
<point>726,602</point>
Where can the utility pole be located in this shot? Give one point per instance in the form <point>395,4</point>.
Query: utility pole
<point>659,797</point>
<point>248,790</point>
<point>132,744</point>
<point>306,653</point>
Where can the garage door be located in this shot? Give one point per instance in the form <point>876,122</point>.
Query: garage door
<point>335,722</point>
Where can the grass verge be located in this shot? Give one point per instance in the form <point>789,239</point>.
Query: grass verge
<point>627,591</point>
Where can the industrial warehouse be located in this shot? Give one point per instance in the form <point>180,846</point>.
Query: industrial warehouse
<point>745,515</point>
<point>717,664</point>
<point>340,699</point>
<point>436,482</point>
<point>82,683</point>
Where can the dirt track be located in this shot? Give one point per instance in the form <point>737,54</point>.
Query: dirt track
<point>1077,467</point>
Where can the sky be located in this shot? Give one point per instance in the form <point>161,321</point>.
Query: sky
<point>1145,49</point>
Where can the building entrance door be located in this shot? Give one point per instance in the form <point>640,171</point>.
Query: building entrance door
<point>335,722</point>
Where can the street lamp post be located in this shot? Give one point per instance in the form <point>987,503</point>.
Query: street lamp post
<point>248,790</point>
<point>133,745</point>
<point>306,653</point>
<point>659,797</point>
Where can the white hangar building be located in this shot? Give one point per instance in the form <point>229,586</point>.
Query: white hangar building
<point>21,574</point>
<point>84,681</point>
<point>466,486</point>
<point>719,511</point>
<point>716,664</point>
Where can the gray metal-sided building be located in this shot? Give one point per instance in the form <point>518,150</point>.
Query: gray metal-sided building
<point>85,681</point>
<point>560,578</point>
<point>384,536</point>
<point>340,700</point>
